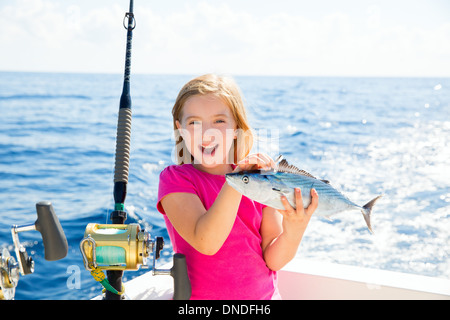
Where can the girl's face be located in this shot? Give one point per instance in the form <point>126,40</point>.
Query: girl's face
<point>208,129</point>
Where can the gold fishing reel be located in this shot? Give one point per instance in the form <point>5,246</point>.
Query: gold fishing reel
<point>117,247</point>
<point>127,247</point>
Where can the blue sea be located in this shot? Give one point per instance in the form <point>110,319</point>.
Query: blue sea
<point>367,136</point>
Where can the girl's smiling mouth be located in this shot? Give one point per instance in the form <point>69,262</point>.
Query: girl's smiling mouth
<point>209,150</point>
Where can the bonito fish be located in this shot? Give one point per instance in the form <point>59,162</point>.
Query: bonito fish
<point>267,187</point>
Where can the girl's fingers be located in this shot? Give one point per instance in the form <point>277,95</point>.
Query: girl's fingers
<point>258,161</point>
<point>299,203</point>
<point>247,163</point>
<point>314,202</point>
<point>287,206</point>
<point>298,200</point>
<point>266,161</point>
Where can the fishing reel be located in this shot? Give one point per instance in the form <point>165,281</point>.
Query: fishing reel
<point>128,247</point>
<point>117,247</point>
<point>55,247</point>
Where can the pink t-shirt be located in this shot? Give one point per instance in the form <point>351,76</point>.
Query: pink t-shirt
<point>237,271</point>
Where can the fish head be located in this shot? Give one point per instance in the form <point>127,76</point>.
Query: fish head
<point>252,184</point>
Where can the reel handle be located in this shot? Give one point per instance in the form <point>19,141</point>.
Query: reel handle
<point>47,223</point>
<point>181,283</point>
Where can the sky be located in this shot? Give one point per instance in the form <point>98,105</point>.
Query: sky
<point>392,38</point>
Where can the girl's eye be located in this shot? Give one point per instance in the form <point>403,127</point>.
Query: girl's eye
<point>198,122</point>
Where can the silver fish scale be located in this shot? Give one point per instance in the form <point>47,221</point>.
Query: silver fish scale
<point>267,187</point>
<point>326,192</point>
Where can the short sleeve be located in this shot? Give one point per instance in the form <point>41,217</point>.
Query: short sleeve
<point>171,180</point>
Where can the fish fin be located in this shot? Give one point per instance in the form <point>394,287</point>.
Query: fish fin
<point>281,165</point>
<point>284,166</point>
<point>367,211</point>
<point>278,159</point>
<point>277,162</point>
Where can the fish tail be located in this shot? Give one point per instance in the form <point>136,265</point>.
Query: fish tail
<point>367,210</point>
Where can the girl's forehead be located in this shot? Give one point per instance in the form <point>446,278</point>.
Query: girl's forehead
<point>204,106</point>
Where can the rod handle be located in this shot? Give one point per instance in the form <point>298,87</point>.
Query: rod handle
<point>181,283</point>
<point>47,223</point>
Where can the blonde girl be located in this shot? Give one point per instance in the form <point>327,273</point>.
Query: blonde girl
<point>233,245</point>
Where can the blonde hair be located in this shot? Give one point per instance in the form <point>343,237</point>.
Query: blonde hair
<point>227,90</point>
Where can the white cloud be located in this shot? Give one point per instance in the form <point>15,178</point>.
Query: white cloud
<point>50,36</point>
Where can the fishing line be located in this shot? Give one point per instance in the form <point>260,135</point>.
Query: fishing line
<point>110,255</point>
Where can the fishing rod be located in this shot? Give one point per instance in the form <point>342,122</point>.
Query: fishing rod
<point>118,246</point>
<point>122,160</point>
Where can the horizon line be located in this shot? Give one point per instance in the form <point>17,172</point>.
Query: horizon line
<point>227,73</point>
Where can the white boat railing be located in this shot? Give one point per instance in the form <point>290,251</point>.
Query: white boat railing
<point>302,279</point>
<point>311,280</point>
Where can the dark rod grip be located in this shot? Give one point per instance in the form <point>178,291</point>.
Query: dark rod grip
<point>47,223</point>
<point>181,283</point>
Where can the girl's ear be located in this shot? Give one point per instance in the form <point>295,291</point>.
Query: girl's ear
<point>180,130</point>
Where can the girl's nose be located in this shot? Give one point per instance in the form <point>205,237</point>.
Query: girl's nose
<point>208,139</point>
<point>211,135</point>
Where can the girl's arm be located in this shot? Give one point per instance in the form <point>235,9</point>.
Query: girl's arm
<point>205,230</point>
<point>282,233</point>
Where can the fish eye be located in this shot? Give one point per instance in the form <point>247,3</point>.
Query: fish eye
<point>245,179</point>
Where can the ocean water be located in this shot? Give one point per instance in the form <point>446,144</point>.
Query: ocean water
<point>368,136</point>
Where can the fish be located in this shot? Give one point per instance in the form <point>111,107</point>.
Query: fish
<point>267,187</point>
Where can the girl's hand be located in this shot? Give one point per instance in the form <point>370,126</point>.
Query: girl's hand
<point>255,161</point>
<point>295,221</point>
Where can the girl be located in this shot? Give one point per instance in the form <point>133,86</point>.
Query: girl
<point>233,245</point>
